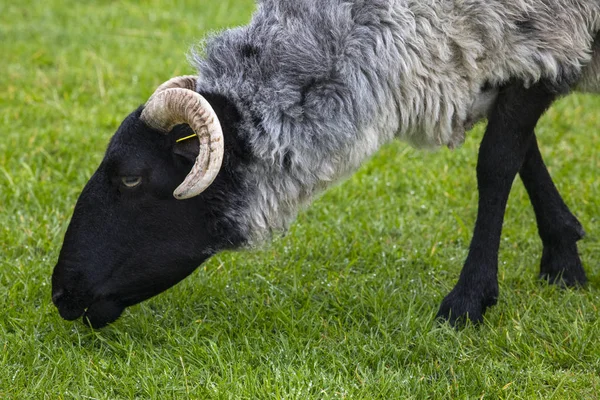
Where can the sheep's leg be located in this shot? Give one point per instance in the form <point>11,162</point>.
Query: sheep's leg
<point>502,152</point>
<point>557,226</point>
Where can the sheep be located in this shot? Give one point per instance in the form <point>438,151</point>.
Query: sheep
<point>297,100</point>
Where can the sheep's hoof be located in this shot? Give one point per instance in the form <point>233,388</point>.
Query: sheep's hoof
<point>562,266</point>
<point>462,305</point>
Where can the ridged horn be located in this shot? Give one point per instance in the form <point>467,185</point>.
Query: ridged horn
<point>181,82</point>
<point>176,102</point>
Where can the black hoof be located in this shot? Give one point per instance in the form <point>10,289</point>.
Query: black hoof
<point>460,306</point>
<point>562,266</point>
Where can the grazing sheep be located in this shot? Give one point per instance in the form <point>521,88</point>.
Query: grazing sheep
<point>297,100</point>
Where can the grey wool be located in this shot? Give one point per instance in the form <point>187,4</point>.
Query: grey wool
<point>322,84</point>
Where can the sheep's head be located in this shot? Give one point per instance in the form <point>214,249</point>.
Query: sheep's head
<point>137,229</point>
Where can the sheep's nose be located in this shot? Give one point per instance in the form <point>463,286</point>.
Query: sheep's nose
<point>57,295</point>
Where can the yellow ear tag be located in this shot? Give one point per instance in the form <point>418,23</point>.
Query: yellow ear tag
<point>185,138</point>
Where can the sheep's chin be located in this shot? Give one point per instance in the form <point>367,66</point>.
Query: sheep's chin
<point>102,313</point>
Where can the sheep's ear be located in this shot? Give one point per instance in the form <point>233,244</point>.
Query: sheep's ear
<point>186,143</point>
<point>188,148</point>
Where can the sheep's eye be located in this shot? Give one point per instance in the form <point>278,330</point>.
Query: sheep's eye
<point>131,181</point>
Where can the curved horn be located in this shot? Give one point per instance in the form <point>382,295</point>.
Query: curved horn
<point>182,82</point>
<point>173,106</point>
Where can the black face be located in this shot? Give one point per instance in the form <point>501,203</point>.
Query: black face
<point>129,238</point>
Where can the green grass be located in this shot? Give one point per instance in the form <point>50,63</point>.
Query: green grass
<point>342,307</point>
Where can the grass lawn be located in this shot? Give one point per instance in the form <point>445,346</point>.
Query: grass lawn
<point>342,307</point>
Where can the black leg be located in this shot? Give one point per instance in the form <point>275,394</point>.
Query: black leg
<point>501,155</point>
<point>557,226</point>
